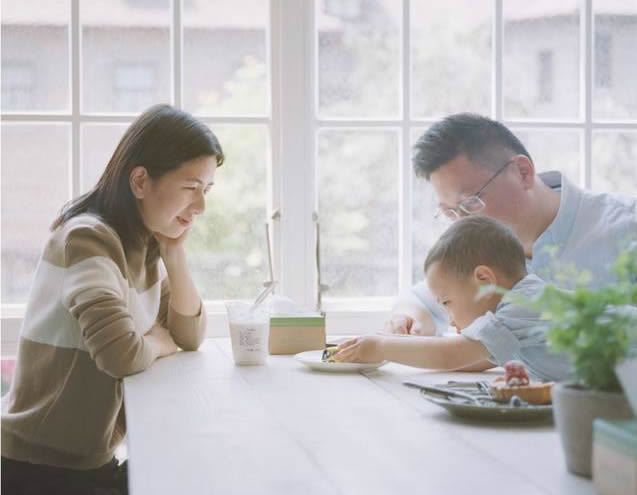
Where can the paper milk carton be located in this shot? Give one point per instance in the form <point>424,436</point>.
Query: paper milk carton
<point>296,333</point>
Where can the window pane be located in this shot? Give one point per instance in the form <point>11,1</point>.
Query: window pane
<point>126,58</point>
<point>35,185</point>
<point>541,59</point>
<point>358,209</point>
<point>450,39</point>
<point>425,229</point>
<point>98,144</point>
<point>614,162</point>
<point>615,60</point>
<point>227,249</point>
<point>225,66</point>
<point>359,58</point>
<point>553,150</point>
<point>35,55</point>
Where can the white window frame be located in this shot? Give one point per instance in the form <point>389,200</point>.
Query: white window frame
<point>293,126</point>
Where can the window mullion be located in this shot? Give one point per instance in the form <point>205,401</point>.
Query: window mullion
<point>274,170</point>
<point>296,167</point>
<point>177,42</point>
<point>498,37</point>
<point>586,77</point>
<point>404,174</point>
<point>76,91</point>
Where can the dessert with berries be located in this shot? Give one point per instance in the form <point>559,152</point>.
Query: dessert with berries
<point>516,382</point>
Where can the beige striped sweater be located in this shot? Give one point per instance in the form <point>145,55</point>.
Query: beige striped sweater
<point>89,308</point>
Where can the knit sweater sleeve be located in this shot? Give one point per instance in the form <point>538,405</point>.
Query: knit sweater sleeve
<point>95,292</point>
<point>188,332</point>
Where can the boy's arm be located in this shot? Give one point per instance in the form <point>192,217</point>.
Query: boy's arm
<point>442,353</point>
<point>481,366</point>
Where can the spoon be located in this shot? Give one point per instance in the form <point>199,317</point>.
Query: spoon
<point>270,284</point>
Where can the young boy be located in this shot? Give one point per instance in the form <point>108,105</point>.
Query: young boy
<point>476,251</point>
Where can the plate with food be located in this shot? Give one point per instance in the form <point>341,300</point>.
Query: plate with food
<point>513,397</point>
<point>324,361</point>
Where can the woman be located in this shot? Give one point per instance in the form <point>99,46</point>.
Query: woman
<point>103,307</point>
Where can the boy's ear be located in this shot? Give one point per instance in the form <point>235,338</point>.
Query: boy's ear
<point>484,275</point>
<point>138,179</point>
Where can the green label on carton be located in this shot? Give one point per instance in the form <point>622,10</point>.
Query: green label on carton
<point>297,321</point>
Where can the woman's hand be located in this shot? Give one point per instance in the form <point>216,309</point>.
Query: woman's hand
<point>161,340</point>
<point>365,349</point>
<point>172,250</point>
<point>184,297</point>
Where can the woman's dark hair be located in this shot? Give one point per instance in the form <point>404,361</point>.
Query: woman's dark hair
<point>463,133</point>
<point>160,140</point>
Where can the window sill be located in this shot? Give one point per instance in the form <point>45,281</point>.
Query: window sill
<point>343,317</point>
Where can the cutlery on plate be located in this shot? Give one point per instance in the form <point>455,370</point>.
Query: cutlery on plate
<point>443,391</point>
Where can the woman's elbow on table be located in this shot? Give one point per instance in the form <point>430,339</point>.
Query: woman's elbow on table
<point>191,339</point>
<point>188,332</point>
<point>190,342</point>
<point>125,359</point>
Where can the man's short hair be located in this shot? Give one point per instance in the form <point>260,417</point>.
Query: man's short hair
<point>478,240</point>
<point>480,138</point>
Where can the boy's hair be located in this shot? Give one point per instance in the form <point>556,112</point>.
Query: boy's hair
<point>480,138</point>
<point>479,240</point>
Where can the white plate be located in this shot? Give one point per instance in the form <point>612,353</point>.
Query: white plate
<point>312,359</point>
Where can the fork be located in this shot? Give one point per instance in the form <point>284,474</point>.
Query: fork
<point>484,387</point>
<point>443,391</point>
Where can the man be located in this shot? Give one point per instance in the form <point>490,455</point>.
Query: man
<point>476,165</point>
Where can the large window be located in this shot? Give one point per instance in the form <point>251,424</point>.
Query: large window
<point>317,105</point>
<point>62,118</point>
<point>546,69</point>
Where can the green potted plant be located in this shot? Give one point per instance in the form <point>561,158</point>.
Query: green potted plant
<point>597,329</point>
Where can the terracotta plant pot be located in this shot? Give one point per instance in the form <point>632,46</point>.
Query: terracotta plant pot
<point>574,408</point>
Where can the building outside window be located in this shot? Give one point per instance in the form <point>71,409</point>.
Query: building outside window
<point>18,85</point>
<point>603,60</point>
<point>545,76</point>
<point>134,85</point>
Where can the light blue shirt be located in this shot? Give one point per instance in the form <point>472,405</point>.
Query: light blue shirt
<point>517,332</point>
<point>588,232</point>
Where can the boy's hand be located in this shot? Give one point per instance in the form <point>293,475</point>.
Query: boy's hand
<point>365,349</point>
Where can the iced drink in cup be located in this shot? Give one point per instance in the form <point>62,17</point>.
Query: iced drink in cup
<point>249,331</point>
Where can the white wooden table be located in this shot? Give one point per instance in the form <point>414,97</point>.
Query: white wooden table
<point>198,424</point>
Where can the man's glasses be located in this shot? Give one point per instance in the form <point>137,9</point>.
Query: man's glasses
<point>472,204</point>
